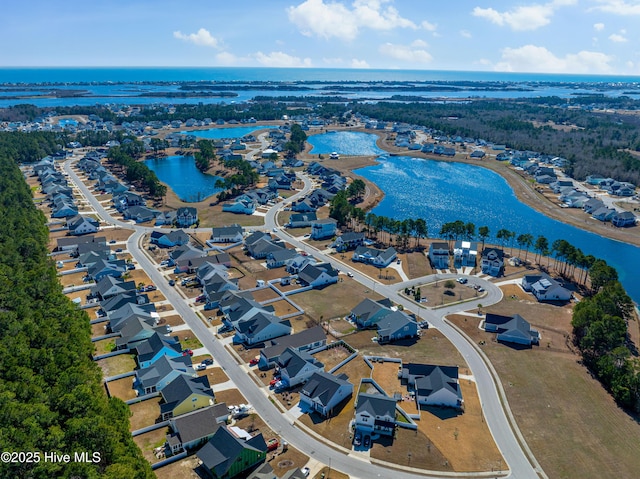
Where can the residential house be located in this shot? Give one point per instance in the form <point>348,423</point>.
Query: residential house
<point>323,392</point>
<point>465,253</point>
<point>185,252</point>
<point>185,394</point>
<point>545,288</point>
<point>492,261</point>
<point>296,367</point>
<point>368,312</point>
<point>82,225</point>
<point>603,214</point>
<point>170,239</point>
<point>240,205</point>
<point>154,378</point>
<point>260,327</point>
<point>128,199</point>
<point>433,385</point>
<point>192,430</point>
<point>375,414</point>
<point>623,218</point>
<point>395,326</point>
<point>135,330</point>
<point>186,216</point>
<point>375,257</point>
<point>592,205</point>
<point>439,255</point>
<point>305,340</point>
<point>227,455</point>
<point>154,347</point>
<point>511,329</point>
<point>278,258</point>
<point>127,310</point>
<point>103,268</point>
<point>323,228</point>
<point>301,220</point>
<point>303,206</point>
<point>110,286</point>
<point>140,214</point>
<point>318,275</point>
<point>227,234</point>
<point>215,289</point>
<point>263,247</point>
<point>297,263</point>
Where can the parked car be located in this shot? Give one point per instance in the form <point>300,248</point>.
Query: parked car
<point>367,441</point>
<point>112,242</point>
<point>200,298</point>
<point>200,367</point>
<point>254,361</point>
<point>207,362</point>
<point>172,282</point>
<point>187,352</point>
<point>131,266</point>
<point>350,274</point>
<point>150,288</point>
<point>357,440</point>
<point>118,250</point>
<point>462,280</point>
<point>305,471</point>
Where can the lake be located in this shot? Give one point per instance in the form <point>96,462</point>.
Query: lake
<point>182,176</point>
<point>442,192</point>
<point>344,143</point>
<point>227,132</point>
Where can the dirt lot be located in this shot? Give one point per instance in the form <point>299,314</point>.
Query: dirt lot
<point>332,357</point>
<point>570,422</point>
<point>216,376</point>
<point>438,294</point>
<point>172,320</point>
<point>122,388</point>
<point>184,469</point>
<point>117,364</point>
<point>150,440</point>
<point>265,294</point>
<point>416,264</point>
<point>144,413</point>
<point>335,301</point>
<point>232,397</point>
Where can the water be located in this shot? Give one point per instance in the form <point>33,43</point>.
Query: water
<point>182,176</point>
<point>219,133</point>
<point>122,85</point>
<point>344,143</point>
<point>442,192</point>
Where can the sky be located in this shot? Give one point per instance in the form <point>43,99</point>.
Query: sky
<point>553,36</point>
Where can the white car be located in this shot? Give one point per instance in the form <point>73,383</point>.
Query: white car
<point>350,274</point>
<point>200,367</point>
<point>305,471</point>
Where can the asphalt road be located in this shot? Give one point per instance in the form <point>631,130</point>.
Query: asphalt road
<point>495,415</point>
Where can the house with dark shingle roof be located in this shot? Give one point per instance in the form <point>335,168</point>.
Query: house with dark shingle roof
<point>170,239</point>
<point>260,327</point>
<point>511,329</point>
<point>82,225</point>
<point>375,414</point>
<point>296,367</point>
<point>154,347</point>
<point>191,430</point>
<point>368,312</point>
<point>185,394</point>
<point>186,216</point>
<point>395,326</point>
<point>349,240</point>
<point>227,234</point>
<point>305,340</point>
<point>155,377</point>
<point>318,275</point>
<point>433,385</point>
<point>301,220</point>
<point>226,455</point>
<point>492,262</point>
<point>323,392</point>
<point>375,257</point>
<point>278,258</point>
<point>439,254</point>
<point>623,218</point>
<point>110,286</point>
<point>545,288</point>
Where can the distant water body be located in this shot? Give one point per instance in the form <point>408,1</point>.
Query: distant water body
<point>182,176</point>
<point>219,133</point>
<point>130,74</point>
<point>442,192</point>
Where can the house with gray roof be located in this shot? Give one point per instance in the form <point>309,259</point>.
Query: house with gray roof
<point>433,385</point>
<point>301,220</point>
<point>110,286</point>
<point>214,289</point>
<point>260,327</point>
<point>318,275</point>
<point>395,326</point>
<point>103,267</point>
<point>140,214</point>
<point>185,252</point>
<point>375,257</point>
<point>296,367</point>
<point>169,239</point>
<point>135,330</point>
<point>492,262</point>
<point>511,329</point>
<point>323,228</point>
<point>305,340</point>
<point>240,205</point>
<point>545,288</point>
<point>261,248</point>
<point>278,258</point>
<point>191,430</point>
<point>368,312</point>
<point>155,377</point>
<point>186,216</point>
<point>185,394</point>
<point>375,414</point>
<point>154,347</point>
<point>323,392</point>
<point>439,255</point>
<point>227,234</point>
<point>227,455</point>
<point>623,219</point>
<point>82,225</point>
<point>348,241</point>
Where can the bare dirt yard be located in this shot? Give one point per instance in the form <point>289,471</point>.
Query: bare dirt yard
<point>572,425</point>
<point>122,388</point>
<point>150,440</point>
<point>144,413</point>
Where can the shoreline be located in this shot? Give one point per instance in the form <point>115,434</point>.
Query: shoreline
<point>522,190</point>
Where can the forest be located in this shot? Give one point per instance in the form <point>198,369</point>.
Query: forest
<point>51,396</point>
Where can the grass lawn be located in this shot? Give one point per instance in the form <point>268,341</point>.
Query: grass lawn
<point>572,425</point>
<point>326,473</point>
<point>416,264</point>
<point>411,448</point>
<point>290,459</point>
<point>104,346</point>
<point>188,340</point>
<point>216,376</point>
<point>334,301</point>
<point>439,293</point>
<point>144,413</point>
<point>150,440</point>
<point>122,388</point>
<point>332,357</point>
<point>117,364</point>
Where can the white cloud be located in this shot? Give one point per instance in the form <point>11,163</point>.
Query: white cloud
<point>526,17</point>
<point>598,27</point>
<point>405,53</point>
<point>355,63</point>
<point>428,26</point>
<point>465,33</point>
<point>618,7</point>
<point>226,58</point>
<point>419,44</point>
<point>531,58</point>
<point>202,37</point>
<point>326,20</point>
<point>281,59</point>
<point>617,38</point>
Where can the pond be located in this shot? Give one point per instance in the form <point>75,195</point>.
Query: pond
<point>219,133</point>
<point>182,176</point>
<point>345,143</point>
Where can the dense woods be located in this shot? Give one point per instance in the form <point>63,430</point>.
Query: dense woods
<point>51,397</point>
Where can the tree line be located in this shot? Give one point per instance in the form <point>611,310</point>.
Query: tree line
<point>51,396</point>
<point>137,172</point>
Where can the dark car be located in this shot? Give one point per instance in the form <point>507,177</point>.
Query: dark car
<point>357,440</point>
<point>367,441</point>
<point>172,282</point>
<point>119,250</point>
<point>207,361</point>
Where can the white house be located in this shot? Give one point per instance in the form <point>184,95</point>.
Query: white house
<point>375,414</point>
<point>296,367</point>
<point>375,257</point>
<point>323,392</point>
<point>439,255</point>
<point>545,288</point>
<point>492,261</point>
<point>433,385</point>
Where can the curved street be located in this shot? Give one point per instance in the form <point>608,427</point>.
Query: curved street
<point>495,413</point>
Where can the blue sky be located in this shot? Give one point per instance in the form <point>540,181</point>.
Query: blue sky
<point>552,36</point>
